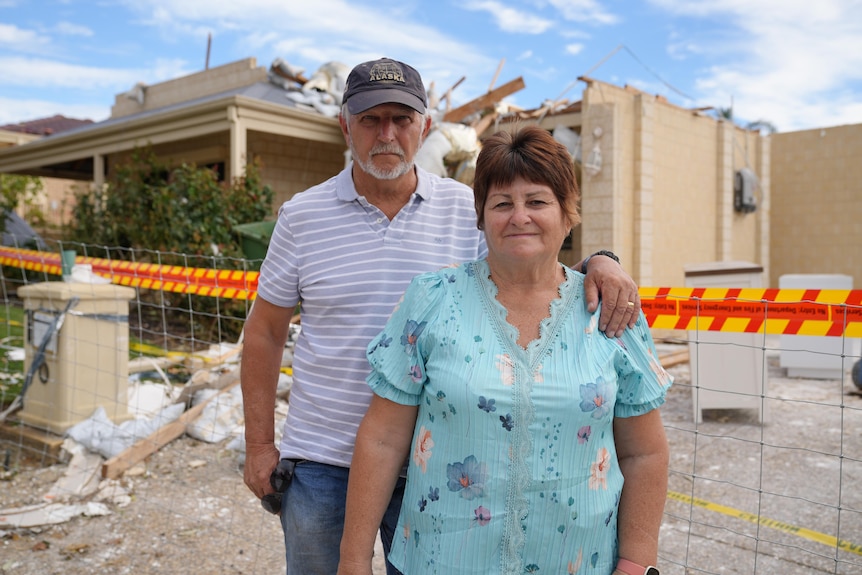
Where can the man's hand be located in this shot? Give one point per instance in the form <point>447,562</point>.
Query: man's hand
<point>621,303</point>
<point>260,460</point>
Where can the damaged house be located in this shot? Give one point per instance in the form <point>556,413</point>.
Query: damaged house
<point>662,186</point>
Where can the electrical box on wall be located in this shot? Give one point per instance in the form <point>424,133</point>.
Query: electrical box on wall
<point>85,358</point>
<point>744,186</point>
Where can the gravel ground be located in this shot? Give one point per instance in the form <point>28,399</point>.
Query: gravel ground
<point>188,510</point>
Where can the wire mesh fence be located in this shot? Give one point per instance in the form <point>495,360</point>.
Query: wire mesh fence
<point>768,487</point>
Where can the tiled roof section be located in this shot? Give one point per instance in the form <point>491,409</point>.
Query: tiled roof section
<point>46,126</point>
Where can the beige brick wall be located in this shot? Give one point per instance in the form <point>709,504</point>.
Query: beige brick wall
<point>291,165</point>
<point>57,200</point>
<point>686,204</point>
<point>664,197</point>
<point>817,209</point>
<point>204,83</point>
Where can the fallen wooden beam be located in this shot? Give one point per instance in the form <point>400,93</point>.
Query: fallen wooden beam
<point>674,358</point>
<point>299,78</point>
<point>484,102</point>
<point>117,465</point>
<point>485,122</point>
<point>147,363</point>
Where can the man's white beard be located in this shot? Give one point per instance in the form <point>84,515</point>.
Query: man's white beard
<point>372,170</point>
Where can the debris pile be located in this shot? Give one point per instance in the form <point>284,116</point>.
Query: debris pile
<point>208,407</point>
<point>452,145</point>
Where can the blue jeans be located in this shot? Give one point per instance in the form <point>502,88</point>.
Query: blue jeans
<point>312,517</point>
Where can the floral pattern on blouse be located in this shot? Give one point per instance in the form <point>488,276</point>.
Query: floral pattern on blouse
<point>513,468</point>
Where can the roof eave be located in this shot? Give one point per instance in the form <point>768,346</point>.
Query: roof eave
<point>177,123</point>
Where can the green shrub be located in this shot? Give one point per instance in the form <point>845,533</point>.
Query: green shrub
<point>151,212</point>
<point>183,210</point>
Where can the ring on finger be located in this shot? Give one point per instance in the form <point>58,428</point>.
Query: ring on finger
<point>631,304</point>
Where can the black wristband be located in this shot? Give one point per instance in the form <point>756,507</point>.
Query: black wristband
<point>606,253</point>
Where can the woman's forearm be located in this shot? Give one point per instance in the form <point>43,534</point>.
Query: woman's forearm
<point>641,509</point>
<point>382,445</point>
<point>644,464</point>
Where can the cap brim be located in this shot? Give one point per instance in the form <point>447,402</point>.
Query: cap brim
<point>364,100</point>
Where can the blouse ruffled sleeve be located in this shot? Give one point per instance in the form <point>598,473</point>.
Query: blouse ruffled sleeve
<point>643,382</point>
<point>398,354</point>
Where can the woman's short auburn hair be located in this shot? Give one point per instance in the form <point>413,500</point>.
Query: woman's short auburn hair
<point>530,153</point>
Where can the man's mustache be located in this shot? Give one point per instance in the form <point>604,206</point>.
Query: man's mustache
<point>388,149</point>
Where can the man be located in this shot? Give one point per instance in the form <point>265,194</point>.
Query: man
<point>347,249</point>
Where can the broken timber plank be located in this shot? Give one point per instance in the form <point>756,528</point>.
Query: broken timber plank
<point>675,358</point>
<point>485,122</point>
<point>147,363</point>
<point>299,78</point>
<point>117,465</point>
<point>486,101</point>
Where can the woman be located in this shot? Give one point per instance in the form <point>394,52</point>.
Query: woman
<point>520,419</point>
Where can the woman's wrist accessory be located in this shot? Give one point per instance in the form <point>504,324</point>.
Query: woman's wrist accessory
<point>632,568</point>
<point>606,253</point>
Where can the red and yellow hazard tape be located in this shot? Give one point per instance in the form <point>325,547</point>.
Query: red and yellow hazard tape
<point>231,284</point>
<point>755,310</point>
<point>748,310</point>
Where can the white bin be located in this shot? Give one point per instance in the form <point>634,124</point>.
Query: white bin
<point>817,357</point>
<point>727,369</point>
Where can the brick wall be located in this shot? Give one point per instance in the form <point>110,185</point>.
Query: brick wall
<point>664,196</point>
<point>817,202</point>
<point>205,83</point>
<point>291,165</point>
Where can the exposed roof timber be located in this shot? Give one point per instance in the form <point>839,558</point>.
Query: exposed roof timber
<point>485,101</point>
<point>547,121</point>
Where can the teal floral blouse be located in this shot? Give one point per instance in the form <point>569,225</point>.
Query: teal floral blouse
<point>513,467</point>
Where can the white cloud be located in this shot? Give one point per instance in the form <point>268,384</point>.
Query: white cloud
<point>584,11</point>
<point>575,34</point>
<point>681,48</point>
<point>574,49</point>
<point>511,20</point>
<point>783,61</point>
<point>310,35</point>
<point>43,73</point>
<point>358,29</point>
<point>70,29</point>
<point>18,39</point>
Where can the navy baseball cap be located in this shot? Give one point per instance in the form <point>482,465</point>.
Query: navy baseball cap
<point>384,81</point>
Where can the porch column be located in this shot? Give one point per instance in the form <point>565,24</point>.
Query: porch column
<point>238,144</point>
<point>98,171</point>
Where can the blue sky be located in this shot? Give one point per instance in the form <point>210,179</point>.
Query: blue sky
<point>794,63</point>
